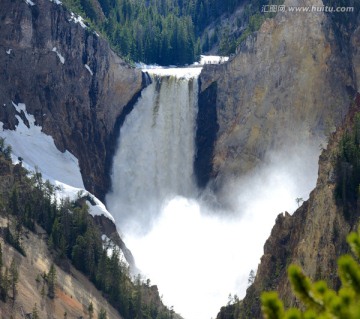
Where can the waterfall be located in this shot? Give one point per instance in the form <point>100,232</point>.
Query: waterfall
<point>195,253</point>
<point>155,155</point>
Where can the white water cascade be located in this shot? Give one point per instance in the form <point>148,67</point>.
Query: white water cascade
<point>196,256</point>
<point>154,161</point>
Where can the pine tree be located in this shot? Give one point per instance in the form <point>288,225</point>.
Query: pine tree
<point>14,202</point>
<point>102,314</point>
<point>91,310</point>
<point>2,145</point>
<point>14,277</point>
<point>5,285</point>
<point>319,300</point>
<point>7,153</point>
<point>1,259</point>
<point>251,277</point>
<point>51,277</point>
<point>35,313</point>
<point>42,292</point>
<point>1,274</point>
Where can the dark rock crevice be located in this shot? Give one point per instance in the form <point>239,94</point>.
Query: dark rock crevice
<point>206,132</point>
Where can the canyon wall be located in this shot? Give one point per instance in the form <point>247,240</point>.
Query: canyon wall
<point>77,88</point>
<point>291,82</point>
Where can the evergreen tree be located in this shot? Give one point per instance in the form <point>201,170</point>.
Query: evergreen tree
<point>319,300</point>
<point>5,285</point>
<point>7,153</point>
<point>348,171</point>
<point>51,277</point>
<point>1,275</point>
<point>2,144</point>
<point>102,314</point>
<point>14,277</point>
<point>1,258</point>
<point>91,310</point>
<point>35,313</point>
<point>14,202</point>
<point>42,292</point>
<point>251,277</point>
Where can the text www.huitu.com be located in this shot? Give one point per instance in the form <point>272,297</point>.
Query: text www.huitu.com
<point>306,9</point>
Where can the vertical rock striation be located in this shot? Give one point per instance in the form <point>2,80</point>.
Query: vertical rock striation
<point>291,82</point>
<point>293,76</point>
<point>69,79</point>
<point>206,131</point>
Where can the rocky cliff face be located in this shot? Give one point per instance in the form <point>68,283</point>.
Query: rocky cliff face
<point>74,291</point>
<point>294,75</point>
<point>298,74</point>
<point>313,237</point>
<point>73,294</point>
<point>76,87</point>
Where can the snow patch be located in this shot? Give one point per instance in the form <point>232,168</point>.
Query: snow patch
<point>38,151</point>
<point>88,68</point>
<point>22,107</point>
<point>110,246</point>
<point>30,3</point>
<point>8,51</point>
<point>77,19</point>
<point>56,1</point>
<point>99,209</point>
<point>212,59</point>
<point>61,58</point>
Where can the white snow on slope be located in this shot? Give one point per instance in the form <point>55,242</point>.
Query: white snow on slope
<point>212,59</point>
<point>77,19</point>
<point>30,3</point>
<point>8,51</point>
<point>88,68</point>
<point>99,209</point>
<point>61,58</point>
<point>56,1</point>
<point>39,151</point>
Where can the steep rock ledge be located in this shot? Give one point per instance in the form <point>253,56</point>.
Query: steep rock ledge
<point>293,75</point>
<point>69,79</point>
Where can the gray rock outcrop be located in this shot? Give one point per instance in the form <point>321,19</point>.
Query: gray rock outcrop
<point>290,83</point>
<point>77,88</point>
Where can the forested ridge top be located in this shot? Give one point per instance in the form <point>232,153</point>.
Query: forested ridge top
<point>168,31</point>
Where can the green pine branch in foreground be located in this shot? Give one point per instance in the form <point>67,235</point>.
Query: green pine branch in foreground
<point>321,302</point>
